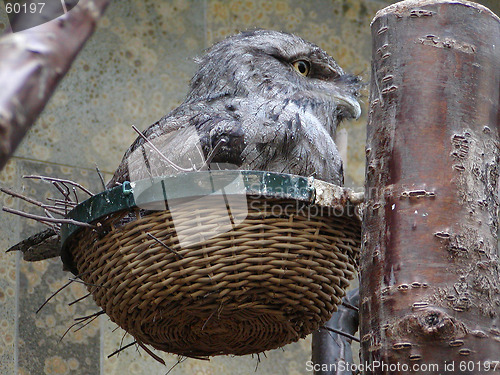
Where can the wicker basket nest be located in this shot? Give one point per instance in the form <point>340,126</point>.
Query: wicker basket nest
<point>275,277</point>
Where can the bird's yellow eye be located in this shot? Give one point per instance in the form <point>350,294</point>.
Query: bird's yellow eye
<point>302,66</point>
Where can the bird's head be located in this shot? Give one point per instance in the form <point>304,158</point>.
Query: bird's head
<point>261,100</point>
<point>271,64</point>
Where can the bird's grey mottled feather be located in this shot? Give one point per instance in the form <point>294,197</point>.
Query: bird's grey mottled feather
<point>40,246</point>
<point>247,92</point>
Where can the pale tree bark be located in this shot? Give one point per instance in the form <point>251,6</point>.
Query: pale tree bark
<point>430,279</point>
<point>32,63</point>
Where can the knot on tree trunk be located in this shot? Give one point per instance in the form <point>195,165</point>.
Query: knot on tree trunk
<point>430,324</point>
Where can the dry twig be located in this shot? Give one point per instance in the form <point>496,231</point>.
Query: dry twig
<point>339,332</point>
<point>122,348</point>
<point>45,220</point>
<point>165,245</point>
<point>62,181</point>
<point>172,164</point>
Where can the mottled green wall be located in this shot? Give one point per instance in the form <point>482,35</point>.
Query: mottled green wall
<point>134,70</point>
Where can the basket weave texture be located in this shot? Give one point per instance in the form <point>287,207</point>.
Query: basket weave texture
<point>271,280</point>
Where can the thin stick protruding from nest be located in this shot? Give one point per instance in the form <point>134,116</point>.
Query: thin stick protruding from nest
<point>89,284</point>
<point>79,299</point>
<point>349,306</point>
<point>172,164</point>
<point>122,348</point>
<point>62,181</point>
<point>179,361</point>
<point>214,151</point>
<point>45,220</point>
<point>159,359</point>
<point>62,202</point>
<point>83,318</point>
<point>89,322</point>
<point>62,205</point>
<point>53,295</point>
<point>100,177</point>
<point>80,320</point>
<point>339,332</point>
<point>47,207</point>
<point>165,245</point>
<point>61,288</point>
<point>65,193</point>
<point>75,195</point>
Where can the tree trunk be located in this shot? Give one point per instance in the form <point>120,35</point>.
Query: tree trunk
<point>430,278</point>
<point>32,63</point>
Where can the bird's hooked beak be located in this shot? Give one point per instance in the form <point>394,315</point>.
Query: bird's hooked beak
<point>348,106</point>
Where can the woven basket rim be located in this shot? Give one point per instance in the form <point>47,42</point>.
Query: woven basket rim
<point>272,185</point>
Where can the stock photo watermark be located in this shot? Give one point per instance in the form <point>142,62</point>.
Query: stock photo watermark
<point>24,15</point>
<point>451,367</point>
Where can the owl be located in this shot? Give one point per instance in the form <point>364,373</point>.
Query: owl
<point>260,100</point>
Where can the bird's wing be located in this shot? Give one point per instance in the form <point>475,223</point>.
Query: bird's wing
<point>179,142</point>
